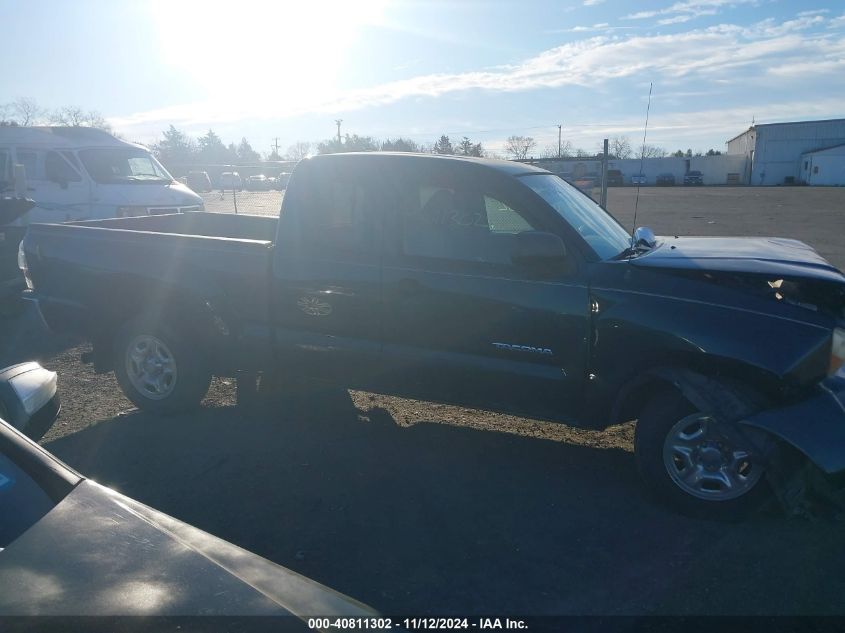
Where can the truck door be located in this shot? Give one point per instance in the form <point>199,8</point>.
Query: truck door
<point>326,277</point>
<point>462,323</point>
<point>60,192</point>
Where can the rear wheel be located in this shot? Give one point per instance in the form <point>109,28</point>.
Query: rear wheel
<point>157,369</point>
<point>701,466</point>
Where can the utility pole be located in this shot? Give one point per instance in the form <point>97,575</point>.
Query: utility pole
<point>559,126</point>
<point>276,146</point>
<point>338,122</point>
<point>603,197</point>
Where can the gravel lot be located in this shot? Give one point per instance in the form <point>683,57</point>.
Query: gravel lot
<point>418,508</point>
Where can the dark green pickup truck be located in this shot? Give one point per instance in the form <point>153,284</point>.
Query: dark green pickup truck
<point>488,283</point>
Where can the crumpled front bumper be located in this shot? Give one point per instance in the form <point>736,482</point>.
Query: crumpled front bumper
<point>815,425</point>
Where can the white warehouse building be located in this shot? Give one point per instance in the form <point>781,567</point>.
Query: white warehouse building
<point>809,152</point>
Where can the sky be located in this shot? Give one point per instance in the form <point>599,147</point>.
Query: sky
<point>275,71</point>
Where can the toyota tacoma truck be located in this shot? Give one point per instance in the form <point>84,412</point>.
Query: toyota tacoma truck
<point>490,284</point>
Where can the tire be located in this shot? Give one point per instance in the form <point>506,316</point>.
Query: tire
<point>158,369</point>
<point>688,459</point>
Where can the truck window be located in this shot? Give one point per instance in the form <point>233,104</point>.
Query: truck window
<point>337,216</point>
<point>461,223</point>
<point>57,169</point>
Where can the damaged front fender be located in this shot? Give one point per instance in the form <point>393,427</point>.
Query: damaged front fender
<point>815,425</point>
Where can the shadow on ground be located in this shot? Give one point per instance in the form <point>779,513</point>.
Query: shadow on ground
<point>438,519</point>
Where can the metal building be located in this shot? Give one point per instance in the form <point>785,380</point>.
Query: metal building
<point>824,167</point>
<point>776,152</point>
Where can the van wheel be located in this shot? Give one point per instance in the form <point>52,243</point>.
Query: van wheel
<point>700,466</point>
<point>157,369</point>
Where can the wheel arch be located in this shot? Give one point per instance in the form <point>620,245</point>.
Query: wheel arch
<point>715,387</point>
<point>191,314</point>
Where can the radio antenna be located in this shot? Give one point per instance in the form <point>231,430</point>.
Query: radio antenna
<point>642,158</point>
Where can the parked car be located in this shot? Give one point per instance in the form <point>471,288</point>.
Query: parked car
<point>11,280</point>
<point>199,181</point>
<point>665,180</point>
<point>230,180</point>
<point>71,547</point>
<point>282,180</point>
<point>614,178</point>
<point>257,183</point>
<point>639,179</point>
<point>80,173</point>
<point>484,283</point>
<point>693,178</point>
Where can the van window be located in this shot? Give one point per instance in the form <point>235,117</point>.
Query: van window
<point>29,160</point>
<point>122,166</point>
<point>56,169</point>
<point>4,167</point>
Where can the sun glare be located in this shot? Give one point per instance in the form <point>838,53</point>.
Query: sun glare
<point>271,49</point>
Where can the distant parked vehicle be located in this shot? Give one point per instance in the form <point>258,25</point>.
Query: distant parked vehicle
<point>81,173</point>
<point>199,181</point>
<point>666,180</point>
<point>614,178</point>
<point>230,180</point>
<point>693,178</point>
<point>638,179</point>
<point>282,180</point>
<point>257,183</point>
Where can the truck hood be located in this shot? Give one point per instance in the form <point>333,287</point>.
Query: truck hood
<point>770,256</point>
<point>784,270</point>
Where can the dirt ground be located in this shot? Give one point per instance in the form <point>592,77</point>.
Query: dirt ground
<point>416,508</point>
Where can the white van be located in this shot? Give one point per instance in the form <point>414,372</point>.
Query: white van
<point>79,173</point>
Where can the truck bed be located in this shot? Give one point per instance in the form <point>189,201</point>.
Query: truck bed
<point>108,271</point>
<point>257,228</point>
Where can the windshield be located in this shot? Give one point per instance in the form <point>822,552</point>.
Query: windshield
<point>598,228</point>
<point>22,501</point>
<point>123,165</point>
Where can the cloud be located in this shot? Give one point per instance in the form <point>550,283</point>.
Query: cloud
<point>592,3</point>
<point>715,55</point>
<point>688,9</point>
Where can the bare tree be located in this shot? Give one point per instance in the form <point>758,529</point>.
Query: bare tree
<point>298,151</point>
<point>26,111</point>
<point>550,151</point>
<point>650,151</point>
<point>620,147</point>
<point>71,116</point>
<point>74,116</point>
<point>518,147</point>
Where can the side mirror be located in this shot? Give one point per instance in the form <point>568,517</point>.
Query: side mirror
<point>29,400</point>
<point>644,236</point>
<point>539,250</point>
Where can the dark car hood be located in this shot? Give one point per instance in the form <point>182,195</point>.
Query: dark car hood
<point>100,553</point>
<point>773,256</point>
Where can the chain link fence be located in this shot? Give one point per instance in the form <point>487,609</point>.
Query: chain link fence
<point>244,189</point>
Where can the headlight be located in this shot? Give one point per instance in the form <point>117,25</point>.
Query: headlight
<point>131,212</point>
<point>837,353</point>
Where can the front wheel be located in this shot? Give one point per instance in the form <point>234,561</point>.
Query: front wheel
<point>700,466</point>
<point>157,369</point>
